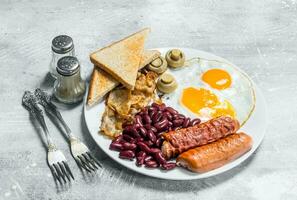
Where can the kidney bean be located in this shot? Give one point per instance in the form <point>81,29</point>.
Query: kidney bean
<point>168,115</point>
<point>146,119</point>
<point>127,137</point>
<point>138,120</point>
<point>152,113</point>
<point>140,158</point>
<point>156,117</point>
<point>161,125</point>
<point>119,138</point>
<point>150,127</point>
<point>170,124</point>
<point>129,146</point>
<point>168,166</point>
<point>155,105</point>
<point>154,150</point>
<point>186,122</point>
<point>127,154</point>
<point>159,142</point>
<point>130,130</point>
<point>149,143</point>
<point>143,131</point>
<point>144,147</point>
<point>195,122</point>
<point>148,158</point>
<point>175,128</point>
<point>174,117</point>
<point>181,116</point>
<point>139,140</point>
<point>177,122</point>
<point>151,164</point>
<point>171,110</point>
<point>162,107</point>
<point>160,158</point>
<point>137,126</point>
<point>116,146</point>
<point>151,136</point>
<point>125,124</point>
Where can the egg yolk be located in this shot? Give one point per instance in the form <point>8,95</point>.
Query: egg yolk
<point>205,103</point>
<point>217,78</point>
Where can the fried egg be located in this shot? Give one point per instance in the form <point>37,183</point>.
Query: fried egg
<point>210,89</point>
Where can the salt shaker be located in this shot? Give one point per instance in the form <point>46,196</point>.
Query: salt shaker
<point>62,45</point>
<point>69,86</point>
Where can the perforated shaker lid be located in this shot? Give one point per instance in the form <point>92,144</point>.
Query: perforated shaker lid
<point>67,65</point>
<point>62,44</point>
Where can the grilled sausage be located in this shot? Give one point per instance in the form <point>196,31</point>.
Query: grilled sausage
<point>216,154</point>
<point>184,139</point>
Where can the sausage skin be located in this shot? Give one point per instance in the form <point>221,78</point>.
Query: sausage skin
<point>216,154</point>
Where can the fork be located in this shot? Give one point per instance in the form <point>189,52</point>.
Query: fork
<point>55,158</point>
<point>79,150</point>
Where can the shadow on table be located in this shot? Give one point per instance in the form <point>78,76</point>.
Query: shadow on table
<point>111,168</point>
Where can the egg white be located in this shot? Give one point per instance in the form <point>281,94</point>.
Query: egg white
<point>240,94</point>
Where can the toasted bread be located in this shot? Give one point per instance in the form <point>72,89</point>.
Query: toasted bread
<point>122,58</point>
<point>101,82</point>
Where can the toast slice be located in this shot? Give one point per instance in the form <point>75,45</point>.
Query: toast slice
<point>122,58</point>
<point>101,82</point>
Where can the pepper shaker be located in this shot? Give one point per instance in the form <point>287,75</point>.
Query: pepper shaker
<point>69,86</point>
<point>62,45</point>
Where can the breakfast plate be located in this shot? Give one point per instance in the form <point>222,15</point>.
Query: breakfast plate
<point>254,124</point>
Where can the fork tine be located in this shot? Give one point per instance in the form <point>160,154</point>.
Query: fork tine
<point>94,159</point>
<point>59,172</point>
<point>68,169</point>
<point>79,162</point>
<point>86,163</point>
<point>55,174</point>
<point>89,160</point>
<point>64,171</point>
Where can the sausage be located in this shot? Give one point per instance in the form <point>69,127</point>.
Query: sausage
<point>184,139</point>
<point>216,154</point>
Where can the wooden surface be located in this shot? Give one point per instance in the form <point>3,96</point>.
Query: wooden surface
<point>258,36</point>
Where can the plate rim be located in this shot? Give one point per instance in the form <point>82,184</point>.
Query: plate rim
<point>258,94</point>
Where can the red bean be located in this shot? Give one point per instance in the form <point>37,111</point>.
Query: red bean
<point>186,122</point>
<point>144,147</point>
<point>146,119</point>
<point>140,158</point>
<point>159,142</point>
<point>195,122</point>
<point>129,146</point>
<point>162,107</point>
<point>142,131</point>
<point>149,143</point>
<point>151,136</point>
<point>159,157</point>
<point>170,124</point>
<point>138,120</point>
<point>130,130</point>
<point>171,110</point>
<point>168,115</point>
<point>155,105</point>
<point>151,164</point>
<point>181,116</point>
<point>150,127</point>
<point>139,140</point>
<point>148,158</point>
<point>127,137</point>
<point>152,113</point>
<point>119,139</point>
<point>178,122</point>
<point>127,154</point>
<point>137,126</point>
<point>168,166</point>
<point>156,117</point>
<point>154,129</point>
<point>161,125</point>
<point>116,146</point>
<point>155,150</point>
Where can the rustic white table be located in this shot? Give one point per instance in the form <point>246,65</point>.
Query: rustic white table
<point>258,36</point>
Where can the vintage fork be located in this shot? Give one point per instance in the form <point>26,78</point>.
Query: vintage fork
<point>56,159</point>
<point>79,150</point>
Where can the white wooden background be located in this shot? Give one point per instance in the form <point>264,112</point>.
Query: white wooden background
<point>258,36</point>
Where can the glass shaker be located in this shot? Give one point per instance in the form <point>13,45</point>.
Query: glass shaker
<point>69,86</point>
<point>62,45</point>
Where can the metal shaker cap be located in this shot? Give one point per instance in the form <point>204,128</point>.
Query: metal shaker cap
<point>62,44</point>
<point>67,65</point>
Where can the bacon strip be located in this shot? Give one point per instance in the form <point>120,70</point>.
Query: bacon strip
<point>184,139</point>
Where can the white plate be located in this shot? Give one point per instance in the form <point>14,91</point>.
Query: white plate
<point>255,127</point>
